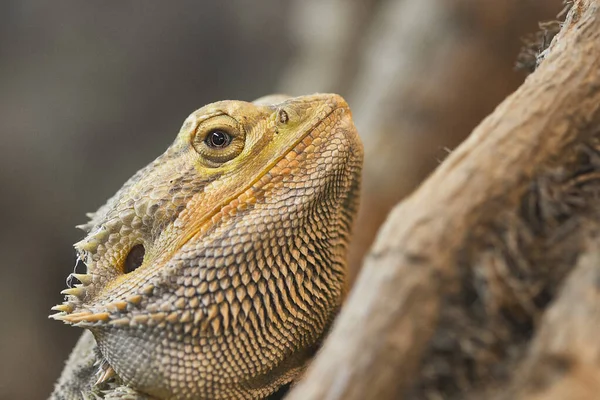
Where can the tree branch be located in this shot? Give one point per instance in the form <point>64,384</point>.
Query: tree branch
<point>563,358</point>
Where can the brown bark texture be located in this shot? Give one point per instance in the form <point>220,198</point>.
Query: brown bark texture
<point>563,357</point>
<point>485,278</point>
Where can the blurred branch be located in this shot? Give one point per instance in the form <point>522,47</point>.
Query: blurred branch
<point>328,34</point>
<point>484,240</point>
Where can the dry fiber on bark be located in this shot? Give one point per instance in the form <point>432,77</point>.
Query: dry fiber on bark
<point>489,268</point>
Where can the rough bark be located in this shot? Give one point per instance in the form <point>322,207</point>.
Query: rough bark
<point>563,359</point>
<point>461,272</point>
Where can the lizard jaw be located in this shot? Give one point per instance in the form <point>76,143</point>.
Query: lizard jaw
<point>86,318</point>
<point>70,311</point>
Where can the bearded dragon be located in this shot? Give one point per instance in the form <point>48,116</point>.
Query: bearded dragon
<point>216,270</point>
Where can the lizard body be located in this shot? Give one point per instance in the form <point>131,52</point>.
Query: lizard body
<point>215,271</point>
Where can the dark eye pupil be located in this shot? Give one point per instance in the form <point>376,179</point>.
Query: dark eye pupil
<point>218,139</point>
<point>134,258</point>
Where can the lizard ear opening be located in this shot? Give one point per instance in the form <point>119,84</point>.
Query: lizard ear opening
<point>134,259</point>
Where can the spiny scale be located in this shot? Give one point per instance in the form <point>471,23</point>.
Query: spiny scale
<point>85,279</point>
<point>105,375</point>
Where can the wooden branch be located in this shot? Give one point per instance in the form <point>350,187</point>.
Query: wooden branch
<point>448,227</point>
<point>563,358</point>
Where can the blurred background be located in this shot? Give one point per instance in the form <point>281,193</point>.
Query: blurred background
<point>92,91</point>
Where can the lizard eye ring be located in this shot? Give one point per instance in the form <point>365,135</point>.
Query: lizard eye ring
<point>218,139</point>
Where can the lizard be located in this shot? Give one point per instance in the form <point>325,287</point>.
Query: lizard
<point>216,270</point>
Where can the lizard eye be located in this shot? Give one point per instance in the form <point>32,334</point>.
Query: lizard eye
<point>217,139</point>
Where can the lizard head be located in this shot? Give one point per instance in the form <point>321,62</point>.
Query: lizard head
<point>240,226</point>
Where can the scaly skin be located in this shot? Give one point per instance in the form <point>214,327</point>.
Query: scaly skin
<point>245,256</point>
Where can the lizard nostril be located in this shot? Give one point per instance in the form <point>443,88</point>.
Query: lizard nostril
<point>134,258</point>
<point>283,116</point>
